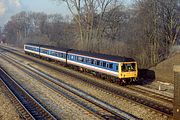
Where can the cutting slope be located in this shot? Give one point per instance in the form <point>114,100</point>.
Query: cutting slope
<point>164,70</point>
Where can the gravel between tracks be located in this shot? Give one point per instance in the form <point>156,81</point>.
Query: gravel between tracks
<point>119,102</point>
<point>51,100</point>
<point>7,110</point>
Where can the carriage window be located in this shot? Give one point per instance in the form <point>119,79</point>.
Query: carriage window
<point>101,63</point>
<point>107,65</point>
<point>64,55</point>
<point>61,55</point>
<point>81,59</point>
<point>110,65</point>
<point>56,54</point>
<point>104,64</point>
<point>92,61</point>
<point>75,58</point>
<point>86,60</point>
<point>97,62</point>
<point>36,49</point>
<point>68,57</point>
<point>72,57</point>
<point>44,51</point>
<point>53,53</point>
<point>89,60</point>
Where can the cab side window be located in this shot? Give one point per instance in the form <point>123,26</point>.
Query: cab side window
<point>117,67</point>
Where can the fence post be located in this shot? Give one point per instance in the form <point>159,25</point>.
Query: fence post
<point>176,104</point>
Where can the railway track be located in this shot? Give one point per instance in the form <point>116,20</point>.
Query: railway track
<point>151,93</point>
<point>26,105</point>
<point>99,108</point>
<point>119,92</point>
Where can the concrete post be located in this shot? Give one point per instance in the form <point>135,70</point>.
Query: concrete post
<point>176,104</point>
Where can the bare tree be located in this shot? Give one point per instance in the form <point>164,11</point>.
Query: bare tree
<point>89,15</point>
<point>155,28</point>
<point>39,28</point>
<point>170,21</point>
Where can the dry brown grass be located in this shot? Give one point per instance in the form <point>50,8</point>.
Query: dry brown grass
<point>164,70</point>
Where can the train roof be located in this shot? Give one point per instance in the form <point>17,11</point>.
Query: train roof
<point>103,56</point>
<point>48,47</point>
<point>90,54</point>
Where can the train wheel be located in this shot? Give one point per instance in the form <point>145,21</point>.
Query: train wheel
<point>81,69</point>
<point>135,79</point>
<point>119,81</point>
<point>123,82</point>
<point>98,75</point>
<point>113,80</point>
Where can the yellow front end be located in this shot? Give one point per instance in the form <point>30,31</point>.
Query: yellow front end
<point>128,70</point>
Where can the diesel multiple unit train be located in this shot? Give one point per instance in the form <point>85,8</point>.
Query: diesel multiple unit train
<point>114,67</point>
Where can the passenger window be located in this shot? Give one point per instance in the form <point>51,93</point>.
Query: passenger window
<point>98,62</point>
<point>89,60</point>
<point>107,65</point>
<point>64,55</point>
<point>52,53</point>
<point>68,57</point>
<point>92,61</point>
<point>110,65</point>
<point>61,55</point>
<point>75,57</point>
<point>72,57</point>
<point>55,54</point>
<point>86,60</point>
<point>95,62</point>
<point>81,59</point>
<point>101,63</point>
<point>104,64</point>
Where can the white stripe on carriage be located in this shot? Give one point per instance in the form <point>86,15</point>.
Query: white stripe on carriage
<point>79,64</point>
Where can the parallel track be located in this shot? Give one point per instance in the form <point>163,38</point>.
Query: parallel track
<point>26,105</point>
<point>144,101</point>
<point>151,93</point>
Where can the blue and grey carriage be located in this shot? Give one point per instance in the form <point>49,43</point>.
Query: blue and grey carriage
<point>121,68</point>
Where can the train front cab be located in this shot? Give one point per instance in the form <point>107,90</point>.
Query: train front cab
<point>128,71</point>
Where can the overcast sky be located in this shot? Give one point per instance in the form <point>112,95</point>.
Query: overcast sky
<point>11,7</point>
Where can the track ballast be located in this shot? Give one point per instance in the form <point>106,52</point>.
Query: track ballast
<point>26,105</point>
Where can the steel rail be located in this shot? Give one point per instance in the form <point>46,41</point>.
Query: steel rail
<point>27,106</point>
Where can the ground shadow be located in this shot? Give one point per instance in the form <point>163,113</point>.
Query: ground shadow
<point>145,76</point>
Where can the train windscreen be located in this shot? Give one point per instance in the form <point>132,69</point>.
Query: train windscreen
<point>126,67</point>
